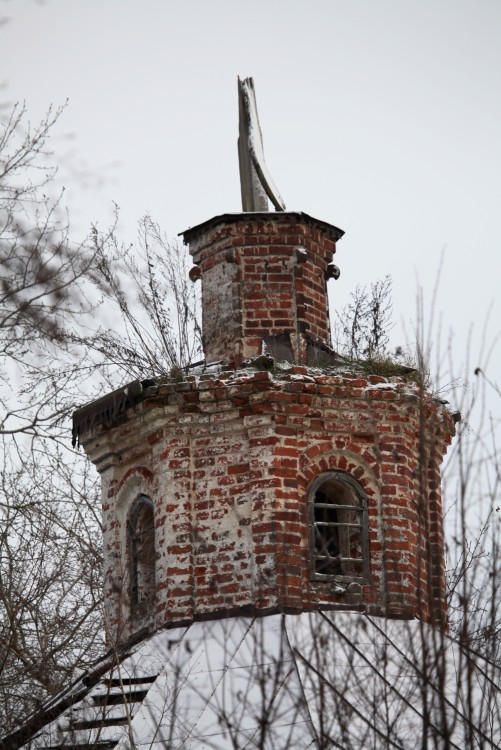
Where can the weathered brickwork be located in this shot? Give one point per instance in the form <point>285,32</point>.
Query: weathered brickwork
<point>264,275</point>
<point>229,454</point>
<point>228,458</point>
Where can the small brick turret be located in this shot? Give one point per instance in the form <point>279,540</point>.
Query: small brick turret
<point>237,488</point>
<point>264,284</point>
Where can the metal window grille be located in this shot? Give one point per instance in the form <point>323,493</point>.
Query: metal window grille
<point>338,528</point>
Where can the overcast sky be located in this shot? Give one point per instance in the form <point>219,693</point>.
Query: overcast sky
<point>382,117</point>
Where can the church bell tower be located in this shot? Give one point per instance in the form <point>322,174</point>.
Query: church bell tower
<point>276,476</point>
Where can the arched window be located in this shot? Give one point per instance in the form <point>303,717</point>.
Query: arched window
<point>338,528</point>
<point>141,543</point>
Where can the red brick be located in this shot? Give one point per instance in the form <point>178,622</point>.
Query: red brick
<point>231,495</point>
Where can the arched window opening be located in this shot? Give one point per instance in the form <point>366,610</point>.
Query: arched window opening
<point>338,528</point>
<point>141,528</point>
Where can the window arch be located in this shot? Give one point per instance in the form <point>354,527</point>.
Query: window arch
<point>142,553</point>
<point>339,546</point>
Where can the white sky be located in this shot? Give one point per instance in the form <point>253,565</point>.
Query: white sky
<point>382,117</point>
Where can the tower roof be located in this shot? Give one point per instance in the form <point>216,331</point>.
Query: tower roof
<point>192,233</point>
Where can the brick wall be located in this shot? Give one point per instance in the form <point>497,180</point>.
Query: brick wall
<point>263,276</point>
<point>228,459</point>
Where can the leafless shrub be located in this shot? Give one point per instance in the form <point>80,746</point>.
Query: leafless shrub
<point>152,302</point>
<point>362,327</point>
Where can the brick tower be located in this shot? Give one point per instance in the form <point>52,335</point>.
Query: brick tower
<point>275,477</point>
